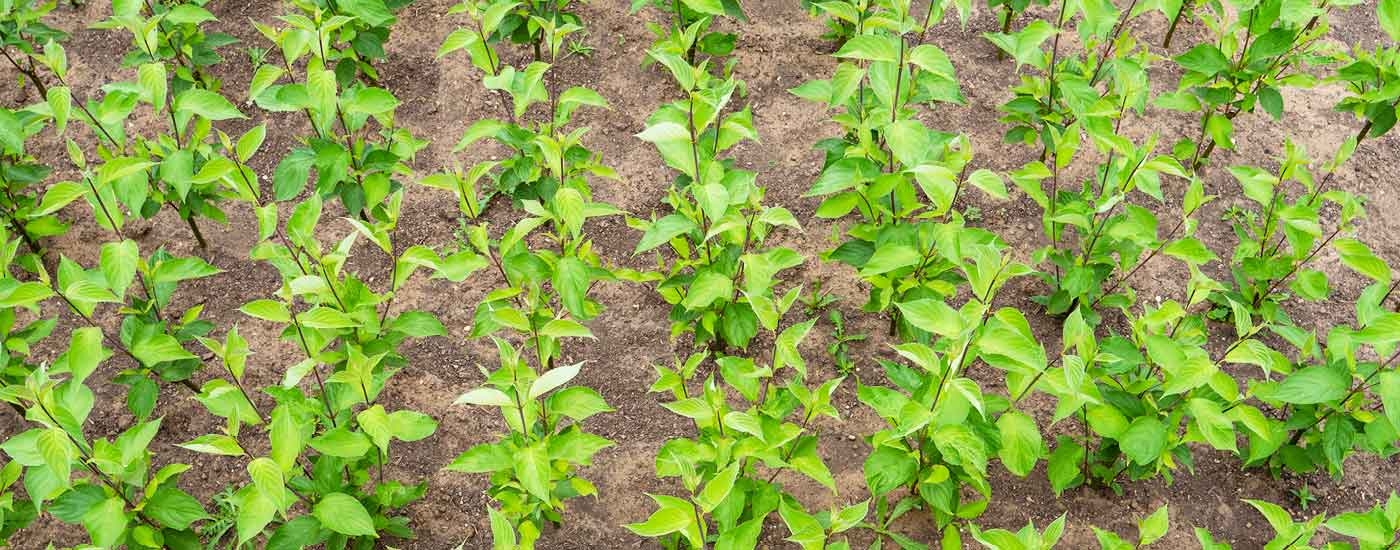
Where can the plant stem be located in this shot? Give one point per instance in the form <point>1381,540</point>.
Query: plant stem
<point>1176,20</point>
<point>32,74</point>
<point>1035,379</point>
<point>1006,18</point>
<point>1112,42</point>
<point>1054,58</point>
<point>315,366</point>
<point>1259,298</point>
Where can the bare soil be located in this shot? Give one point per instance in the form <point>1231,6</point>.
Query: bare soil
<point>779,49</point>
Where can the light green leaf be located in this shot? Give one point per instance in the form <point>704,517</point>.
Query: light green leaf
<point>344,514</point>
<point>207,104</point>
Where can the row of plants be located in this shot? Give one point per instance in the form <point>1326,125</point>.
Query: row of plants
<point>1141,381</point>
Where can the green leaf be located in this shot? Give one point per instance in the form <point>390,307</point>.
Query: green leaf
<point>11,133</point>
<point>1190,250</point>
<point>58,196</point>
<point>1388,12</point>
<point>160,348</point>
<point>341,442</point>
<point>707,7</point>
<point>1312,385</point>
<point>1063,467</point>
<point>571,280</point>
<point>578,403</point>
<point>552,379</point>
<point>487,457</point>
<point>663,230</point>
<point>215,444</point>
<point>489,397</point>
<point>118,262</point>
<point>502,532</point>
<point>174,508</point>
<point>374,12</point>
<point>989,182</point>
<point>870,47</point>
<point>1205,59</point>
<point>286,436</point>
<point>673,515</point>
<point>106,522</point>
<point>344,514</point>
<point>1024,45</point>
<point>151,81</point>
<point>889,258</point>
<point>267,479</point>
<point>1144,440</point>
<point>31,293</point>
<point>1311,285</point>
<point>249,143</point>
<point>1153,527</point>
<point>1388,387</point>
<point>1021,443</point>
<point>707,288</point>
<point>1217,428</point>
<point>207,104</point>
<point>371,101</point>
<point>267,310</point>
<point>58,453</point>
<point>932,316</point>
<point>565,328</point>
<point>805,530</point>
<point>182,269</point>
<point>85,352</point>
<point>60,100</point>
<point>411,425</point>
<point>533,470</point>
<point>717,489</point>
<point>417,324</point>
<point>1361,259</point>
<point>1371,528</point>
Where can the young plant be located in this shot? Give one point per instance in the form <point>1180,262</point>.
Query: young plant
<point>840,349</point>
<point>941,430</point>
<point>359,156</point>
<point>177,40</point>
<point>534,467</point>
<point>106,486</point>
<point>1288,533</point>
<point>1098,237</point>
<point>530,22</point>
<point>544,301</point>
<point>1065,88</point>
<point>690,34</point>
<point>1335,400</point>
<point>1255,54</point>
<point>1281,237</point>
<point>338,322</point>
<point>353,36</point>
<point>544,157</point>
<point>1369,76</point>
<point>901,178</point>
<point>729,498</point>
<point>546,295</point>
<point>1376,528</point>
<point>843,18</point>
<point>722,282</point>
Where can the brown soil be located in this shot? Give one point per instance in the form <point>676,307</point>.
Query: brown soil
<point>780,48</point>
